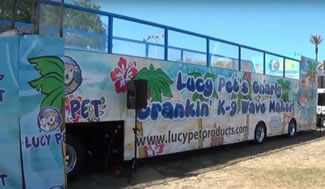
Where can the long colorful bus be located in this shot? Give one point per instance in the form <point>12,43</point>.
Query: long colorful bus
<point>60,103</point>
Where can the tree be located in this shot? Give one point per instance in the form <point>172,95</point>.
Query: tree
<point>83,27</point>
<point>196,96</point>
<point>158,85</point>
<point>23,12</point>
<point>316,40</point>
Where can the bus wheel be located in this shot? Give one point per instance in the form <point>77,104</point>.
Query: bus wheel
<point>292,128</point>
<point>260,133</point>
<point>75,156</point>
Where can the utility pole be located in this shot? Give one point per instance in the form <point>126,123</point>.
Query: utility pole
<point>35,16</point>
<point>156,38</point>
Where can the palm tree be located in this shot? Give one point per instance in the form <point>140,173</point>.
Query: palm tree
<point>158,86</point>
<point>240,96</point>
<point>200,97</point>
<point>316,40</point>
<point>286,88</point>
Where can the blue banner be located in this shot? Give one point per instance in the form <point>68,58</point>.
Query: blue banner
<point>10,167</point>
<point>41,93</point>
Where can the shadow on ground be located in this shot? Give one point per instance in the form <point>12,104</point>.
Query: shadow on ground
<point>170,167</point>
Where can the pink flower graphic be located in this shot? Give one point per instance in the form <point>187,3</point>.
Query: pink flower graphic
<point>153,150</point>
<point>123,73</point>
<point>68,108</point>
<point>216,141</point>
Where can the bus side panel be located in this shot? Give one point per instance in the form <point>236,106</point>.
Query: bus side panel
<point>307,103</point>
<point>92,96</point>
<point>41,95</point>
<point>189,106</point>
<point>189,118</point>
<point>10,167</point>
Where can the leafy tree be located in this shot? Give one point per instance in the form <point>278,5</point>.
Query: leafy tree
<point>85,26</point>
<point>23,13</point>
<point>316,40</point>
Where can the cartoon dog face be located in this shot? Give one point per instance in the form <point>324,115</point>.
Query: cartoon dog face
<point>51,118</point>
<point>69,72</point>
<point>274,65</point>
<point>44,124</point>
<point>72,75</point>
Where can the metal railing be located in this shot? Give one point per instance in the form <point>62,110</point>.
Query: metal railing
<point>107,39</point>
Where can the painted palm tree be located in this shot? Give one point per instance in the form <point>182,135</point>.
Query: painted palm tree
<point>158,86</point>
<point>51,80</point>
<point>247,76</point>
<point>200,97</point>
<point>285,90</point>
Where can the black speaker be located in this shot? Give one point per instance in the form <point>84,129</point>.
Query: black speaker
<point>137,94</point>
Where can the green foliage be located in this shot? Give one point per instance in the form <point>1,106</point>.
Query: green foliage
<point>158,82</point>
<point>285,86</point>
<point>311,66</point>
<point>50,16</point>
<point>76,20</point>
<point>240,96</point>
<point>51,82</point>
<point>196,96</point>
<point>23,11</point>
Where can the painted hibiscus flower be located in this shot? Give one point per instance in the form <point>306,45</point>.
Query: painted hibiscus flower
<point>216,141</point>
<point>122,74</point>
<point>67,107</point>
<point>154,150</point>
<point>247,76</point>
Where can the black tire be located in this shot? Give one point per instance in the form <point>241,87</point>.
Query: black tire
<point>260,133</point>
<point>75,156</point>
<point>292,128</point>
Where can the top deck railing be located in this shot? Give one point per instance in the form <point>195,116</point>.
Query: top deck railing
<point>205,50</point>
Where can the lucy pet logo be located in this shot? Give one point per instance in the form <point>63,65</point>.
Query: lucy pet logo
<point>79,109</point>
<point>3,178</point>
<point>274,65</point>
<point>49,119</point>
<point>2,91</point>
<point>72,75</point>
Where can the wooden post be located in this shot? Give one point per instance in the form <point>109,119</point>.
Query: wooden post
<point>14,13</point>
<point>61,17</point>
<point>35,16</point>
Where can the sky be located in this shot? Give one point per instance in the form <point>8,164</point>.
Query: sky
<point>283,27</point>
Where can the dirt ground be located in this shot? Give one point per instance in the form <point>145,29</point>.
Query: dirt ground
<point>280,162</point>
<point>301,166</point>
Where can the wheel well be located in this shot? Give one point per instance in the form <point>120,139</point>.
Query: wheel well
<point>262,123</point>
<point>97,137</point>
<point>294,120</point>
